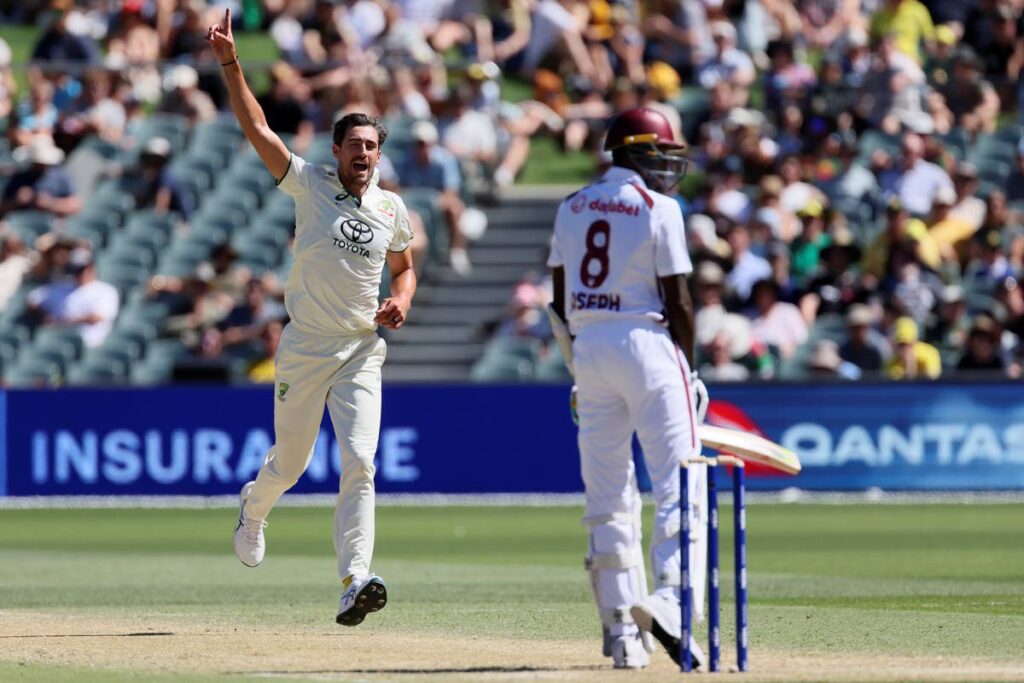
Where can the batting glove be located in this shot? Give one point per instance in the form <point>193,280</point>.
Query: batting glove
<point>699,394</point>
<point>572,406</point>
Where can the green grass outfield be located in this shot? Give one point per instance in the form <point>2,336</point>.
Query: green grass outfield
<point>937,585</point>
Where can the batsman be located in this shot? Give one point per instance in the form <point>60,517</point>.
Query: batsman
<point>619,264</point>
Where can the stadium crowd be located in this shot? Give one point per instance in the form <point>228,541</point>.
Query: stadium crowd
<point>854,202</point>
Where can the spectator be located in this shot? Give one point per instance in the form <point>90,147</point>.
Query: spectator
<point>914,289</point>
<point>970,101</point>
<point>1010,295</point>
<point>728,63</point>
<point>851,181</point>
<point>900,230</point>
<point>502,32</point>
<point>949,231</point>
<point>836,283</point>
<point>206,361</point>
<point>784,223</point>
<point>778,324</point>
<point>913,359</point>
<point>677,33</point>
<point>864,347</point>
<point>83,302</point>
<point>969,206</point>
<point>96,111</point>
<point>824,23</point>
<point>1015,183</point>
<point>915,181</point>
<point>747,267</point>
<point>983,352</point>
<point>812,240</point>
<point>246,320</point>
<point>555,28</point>
<point>8,86</point>
<point>712,318</point>
<point>719,365</point>
<point>988,264</point>
<point>285,104</point>
<point>433,167</point>
<point>910,24</point>
<point>14,266</point>
<point>262,371</point>
<point>35,116</point>
<point>788,80</point>
<point>826,363</point>
<point>891,90</point>
<point>796,194</point>
<point>470,134</point>
<point>526,318</point>
<point>154,185</point>
<point>44,185</point>
<point>949,327</point>
<point>59,44</point>
<point>184,97</point>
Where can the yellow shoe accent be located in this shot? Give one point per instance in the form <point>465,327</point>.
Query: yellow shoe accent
<point>347,581</point>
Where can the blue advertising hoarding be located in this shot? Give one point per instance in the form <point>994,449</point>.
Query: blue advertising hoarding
<point>500,439</point>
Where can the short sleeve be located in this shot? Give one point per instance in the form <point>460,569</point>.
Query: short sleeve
<point>670,254</point>
<point>403,229</point>
<point>555,258</point>
<point>296,179</point>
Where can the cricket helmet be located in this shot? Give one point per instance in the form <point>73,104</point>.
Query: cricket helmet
<point>650,146</point>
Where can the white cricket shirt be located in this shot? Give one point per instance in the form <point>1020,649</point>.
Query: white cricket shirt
<point>615,238</point>
<point>341,245</point>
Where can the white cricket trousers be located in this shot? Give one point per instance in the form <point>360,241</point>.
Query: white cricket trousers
<point>630,375</point>
<point>343,373</point>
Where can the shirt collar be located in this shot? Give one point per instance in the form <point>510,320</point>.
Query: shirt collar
<point>618,174</point>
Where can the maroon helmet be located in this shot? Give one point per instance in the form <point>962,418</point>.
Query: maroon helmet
<point>641,126</point>
<point>650,147</point>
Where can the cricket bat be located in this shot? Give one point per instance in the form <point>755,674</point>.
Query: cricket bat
<point>750,447</point>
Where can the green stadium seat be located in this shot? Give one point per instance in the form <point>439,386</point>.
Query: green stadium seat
<point>29,224</point>
<point>63,340</point>
<point>502,369</point>
<point>551,368</point>
<point>98,373</point>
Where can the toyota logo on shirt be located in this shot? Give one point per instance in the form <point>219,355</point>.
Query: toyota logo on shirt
<point>356,231</point>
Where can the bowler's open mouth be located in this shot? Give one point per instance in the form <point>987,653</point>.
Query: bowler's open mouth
<point>360,166</point>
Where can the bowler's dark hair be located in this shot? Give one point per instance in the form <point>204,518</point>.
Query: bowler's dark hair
<point>342,126</point>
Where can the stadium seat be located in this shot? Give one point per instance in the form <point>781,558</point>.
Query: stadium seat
<point>29,224</point>
<point>502,369</point>
<point>551,368</point>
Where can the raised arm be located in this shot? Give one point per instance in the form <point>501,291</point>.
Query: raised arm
<point>247,110</point>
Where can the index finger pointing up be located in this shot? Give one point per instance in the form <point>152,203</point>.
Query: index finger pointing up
<point>226,26</point>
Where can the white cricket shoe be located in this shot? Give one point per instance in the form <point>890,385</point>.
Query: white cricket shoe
<point>250,545</point>
<point>628,652</point>
<point>659,615</point>
<point>361,597</point>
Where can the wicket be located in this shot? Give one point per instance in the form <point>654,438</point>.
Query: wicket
<point>740,549</point>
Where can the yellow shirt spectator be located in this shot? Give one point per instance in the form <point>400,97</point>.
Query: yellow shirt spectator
<point>262,372</point>
<point>909,21</point>
<point>876,256</point>
<point>913,359</point>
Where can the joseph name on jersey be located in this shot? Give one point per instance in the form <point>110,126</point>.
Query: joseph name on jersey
<point>341,245</point>
<point>615,238</point>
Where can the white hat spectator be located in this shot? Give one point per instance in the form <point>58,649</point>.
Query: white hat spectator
<point>40,150</point>
<point>424,131</point>
<point>157,147</point>
<point>723,29</point>
<point>181,77</point>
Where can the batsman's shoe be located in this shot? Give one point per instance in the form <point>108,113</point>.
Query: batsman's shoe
<point>250,545</point>
<point>659,616</point>
<point>361,597</point>
<point>628,652</point>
